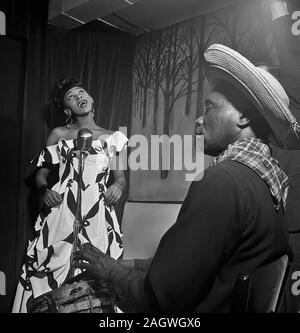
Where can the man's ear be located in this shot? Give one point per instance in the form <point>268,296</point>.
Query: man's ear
<point>243,121</point>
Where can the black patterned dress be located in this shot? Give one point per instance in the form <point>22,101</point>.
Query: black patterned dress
<point>47,260</point>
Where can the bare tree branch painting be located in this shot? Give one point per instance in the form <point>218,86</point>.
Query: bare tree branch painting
<point>168,72</point>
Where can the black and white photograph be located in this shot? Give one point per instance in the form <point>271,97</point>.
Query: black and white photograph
<point>150,159</point>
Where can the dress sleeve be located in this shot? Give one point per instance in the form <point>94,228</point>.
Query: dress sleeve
<point>116,143</point>
<point>49,155</point>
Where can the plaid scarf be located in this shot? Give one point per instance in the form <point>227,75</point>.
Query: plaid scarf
<point>256,155</point>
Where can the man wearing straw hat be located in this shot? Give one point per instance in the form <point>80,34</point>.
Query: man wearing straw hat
<point>232,221</point>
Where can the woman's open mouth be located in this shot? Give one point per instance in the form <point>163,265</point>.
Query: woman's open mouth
<point>82,103</point>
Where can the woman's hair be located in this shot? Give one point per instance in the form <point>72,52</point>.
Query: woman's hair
<point>258,123</point>
<point>60,89</point>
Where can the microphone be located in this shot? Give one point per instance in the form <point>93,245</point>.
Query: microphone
<point>84,139</point>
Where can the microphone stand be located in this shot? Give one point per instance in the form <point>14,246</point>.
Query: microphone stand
<point>78,216</point>
<point>84,142</point>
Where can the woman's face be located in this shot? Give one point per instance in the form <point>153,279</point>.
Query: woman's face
<point>78,101</point>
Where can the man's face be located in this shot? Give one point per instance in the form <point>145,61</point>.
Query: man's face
<point>218,124</point>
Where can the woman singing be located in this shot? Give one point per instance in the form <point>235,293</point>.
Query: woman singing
<point>47,262</point>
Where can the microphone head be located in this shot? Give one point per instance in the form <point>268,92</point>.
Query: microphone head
<point>84,139</point>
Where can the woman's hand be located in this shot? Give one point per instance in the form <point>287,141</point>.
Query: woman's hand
<point>52,198</point>
<point>113,194</point>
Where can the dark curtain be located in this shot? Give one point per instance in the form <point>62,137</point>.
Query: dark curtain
<point>14,74</point>
<point>100,57</point>
<point>11,87</point>
<point>101,60</point>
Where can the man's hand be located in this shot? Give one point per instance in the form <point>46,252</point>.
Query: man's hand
<point>113,194</point>
<point>98,263</point>
<point>52,198</point>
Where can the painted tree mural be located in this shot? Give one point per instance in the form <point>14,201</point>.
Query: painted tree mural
<point>169,82</point>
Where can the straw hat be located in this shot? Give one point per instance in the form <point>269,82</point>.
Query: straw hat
<point>259,86</point>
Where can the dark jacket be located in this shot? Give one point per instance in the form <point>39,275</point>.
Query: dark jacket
<point>227,225</point>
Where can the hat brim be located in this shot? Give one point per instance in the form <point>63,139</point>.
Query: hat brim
<point>260,87</point>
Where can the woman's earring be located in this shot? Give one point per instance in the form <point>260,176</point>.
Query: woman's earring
<point>69,120</point>
<point>93,112</point>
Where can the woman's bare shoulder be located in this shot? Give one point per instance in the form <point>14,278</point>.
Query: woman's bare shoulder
<point>56,134</point>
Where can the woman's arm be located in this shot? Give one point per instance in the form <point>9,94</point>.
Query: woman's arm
<point>51,198</point>
<point>114,192</point>
<point>41,177</point>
